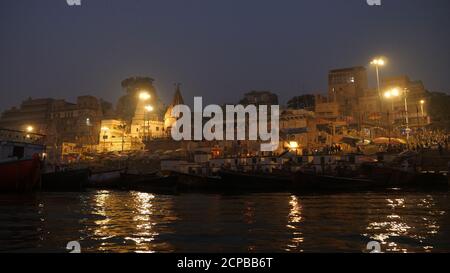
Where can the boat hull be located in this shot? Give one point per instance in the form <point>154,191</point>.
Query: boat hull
<point>73,180</point>
<point>249,181</point>
<point>196,182</point>
<point>20,175</point>
<point>105,180</point>
<point>149,183</point>
<point>313,182</point>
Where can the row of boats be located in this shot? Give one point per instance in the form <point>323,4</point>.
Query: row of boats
<point>374,178</point>
<point>23,171</point>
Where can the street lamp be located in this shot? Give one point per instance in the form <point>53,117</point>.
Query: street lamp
<point>148,109</point>
<point>395,92</point>
<point>144,95</point>
<point>105,131</point>
<point>422,115</point>
<point>422,103</point>
<point>30,128</point>
<point>378,62</point>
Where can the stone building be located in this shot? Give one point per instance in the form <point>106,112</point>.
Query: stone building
<point>297,129</point>
<point>32,113</point>
<point>74,125</point>
<point>392,108</point>
<point>127,105</point>
<point>345,87</point>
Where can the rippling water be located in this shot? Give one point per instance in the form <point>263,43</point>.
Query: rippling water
<point>114,221</point>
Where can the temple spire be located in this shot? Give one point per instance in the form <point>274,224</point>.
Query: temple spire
<point>177,99</point>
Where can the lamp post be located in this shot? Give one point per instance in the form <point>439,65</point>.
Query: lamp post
<point>395,92</point>
<point>422,103</point>
<point>123,127</point>
<point>148,109</point>
<point>378,62</point>
<point>143,97</point>
<point>105,136</point>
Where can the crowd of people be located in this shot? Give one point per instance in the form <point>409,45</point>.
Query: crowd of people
<point>430,140</point>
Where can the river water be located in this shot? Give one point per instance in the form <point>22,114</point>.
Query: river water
<point>119,221</point>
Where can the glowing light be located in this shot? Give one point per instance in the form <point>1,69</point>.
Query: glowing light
<point>144,95</point>
<point>395,92</point>
<point>422,102</point>
<point>30,129</point>
<point>105,129</point>
<point>378,62</point>
<point>293,144</point>
<point>148,108</point>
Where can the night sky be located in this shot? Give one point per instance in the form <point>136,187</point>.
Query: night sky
<point>218,49</point>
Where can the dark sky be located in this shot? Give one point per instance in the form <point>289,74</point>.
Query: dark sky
<point>216,48</point>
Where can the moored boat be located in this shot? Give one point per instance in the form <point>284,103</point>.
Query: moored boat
<point>188,181</point>
<point>255,181</point>
<point>21,157</point>
<point>20,175</point>
<point>316,182</point>
<point>148,182</point>
<point>105,179</point>
<point>68,180</point>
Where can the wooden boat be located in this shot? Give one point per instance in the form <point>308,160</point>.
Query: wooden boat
<point>148,182</point>
<point>315,182</point>
<point>430,180</point>
<point>396,177</point>
<point>70,180</point>
<point>255,181</point>
<point>186,181</point>
<point>105,179</point>
<point>20,161</point>
<point>20,175</point>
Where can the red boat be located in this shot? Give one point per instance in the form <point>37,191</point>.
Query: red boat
<point>20,163</point>
<point>20,175</point>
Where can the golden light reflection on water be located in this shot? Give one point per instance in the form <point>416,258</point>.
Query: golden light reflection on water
<point>119,221</point>
<point>124,224</point>
<point>142,219</point>
<point>400,229</point>
<point>294,218</point>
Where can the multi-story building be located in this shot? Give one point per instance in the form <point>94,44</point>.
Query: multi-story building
<point>114,136</point>
<point>33,114</point>
<point>345,87</point>
<point>411,93</point>
<point>76,122</point>
<point>72,124</point>
<point>326,108</point>
<point>392,111</point>
<point>297,129</point>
